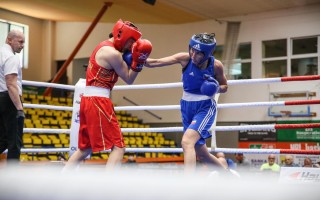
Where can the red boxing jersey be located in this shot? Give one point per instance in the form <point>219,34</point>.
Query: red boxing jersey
<point>99,76</point>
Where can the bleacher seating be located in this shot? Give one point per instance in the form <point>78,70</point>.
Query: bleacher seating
<point>45,118</point>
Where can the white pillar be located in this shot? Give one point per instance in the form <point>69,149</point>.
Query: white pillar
<point>75,120</point>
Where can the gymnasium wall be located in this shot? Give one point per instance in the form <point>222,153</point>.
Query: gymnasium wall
<point>52,41</point>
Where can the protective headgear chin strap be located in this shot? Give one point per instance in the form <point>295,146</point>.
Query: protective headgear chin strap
<point>122,31</point>
<point>204,42</point>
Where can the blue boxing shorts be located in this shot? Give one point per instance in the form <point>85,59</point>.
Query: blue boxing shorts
<point>199,116</point>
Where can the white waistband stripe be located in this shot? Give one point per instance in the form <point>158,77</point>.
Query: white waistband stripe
<point>90,91</point>
<point>194,97</point>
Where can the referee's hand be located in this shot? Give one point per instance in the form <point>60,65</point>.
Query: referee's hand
<point>20,114</point>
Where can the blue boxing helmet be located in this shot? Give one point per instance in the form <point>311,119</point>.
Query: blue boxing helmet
<point>204,42</point>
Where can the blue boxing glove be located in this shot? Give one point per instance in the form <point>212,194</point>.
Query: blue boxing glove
<point>210,86</point>
<point>127,58</point>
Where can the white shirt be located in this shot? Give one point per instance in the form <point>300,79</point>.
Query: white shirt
<point>9,64</point>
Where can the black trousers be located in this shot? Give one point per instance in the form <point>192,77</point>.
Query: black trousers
<point>11,128</point>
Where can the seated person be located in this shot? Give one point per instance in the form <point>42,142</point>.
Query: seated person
<point>271,164</point>
<point>288,162</point>
<point>226,161</point>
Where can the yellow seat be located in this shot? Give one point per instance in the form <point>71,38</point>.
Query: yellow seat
<point>36,140</point>
<point>27,140</point>
<point>32,96</point>
<point>40,97</point>
<point>24,96</point>
<point>47,98</point>
<point>104,156</point>
<point>64,141</point>
<point>53,122</point>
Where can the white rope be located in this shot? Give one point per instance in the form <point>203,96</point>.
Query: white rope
<point>150,86</point>
<point>253,81</point>
<point>157,86</point>
<point>162,150</point>
<point>54,85</point>
<point>45,130</point>
<point>163,129</point>
<point>48,150</point>
<point>164,107</point>
<point>49,107</point>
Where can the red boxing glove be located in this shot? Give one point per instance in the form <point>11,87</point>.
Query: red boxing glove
<point>141,50</point>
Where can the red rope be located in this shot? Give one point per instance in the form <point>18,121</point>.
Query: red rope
<point>300,78</point>
<point>296,151</point>
<point>301,102</point>
<point>293,126</point>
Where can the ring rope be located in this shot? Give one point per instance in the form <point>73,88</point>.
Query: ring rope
<point>180,150</point>
<point>180,129</point>
<point>54,85</point>
<point>179,84</point>
<point>49,107</point>
<point>177,107</point>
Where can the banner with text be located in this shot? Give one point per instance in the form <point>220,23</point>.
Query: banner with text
<point>257,135</point>
<point>301,134</point>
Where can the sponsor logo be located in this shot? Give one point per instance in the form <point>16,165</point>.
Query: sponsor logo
<point>77,119</point>
<point>197,47</point>
<point>143,56</point>
<point>191,74</point>
<point>79,100</point>
<point>305,176</point>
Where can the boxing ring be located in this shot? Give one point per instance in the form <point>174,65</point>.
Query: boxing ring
<point>213,147</point>
<point>48,183</point>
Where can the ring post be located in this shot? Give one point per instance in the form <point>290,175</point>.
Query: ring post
<point>75,120</point>
<point>213,127</point>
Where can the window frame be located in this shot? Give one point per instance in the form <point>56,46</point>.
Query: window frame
<point>24,54</point>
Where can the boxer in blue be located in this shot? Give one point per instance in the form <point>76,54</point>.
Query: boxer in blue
<point>202,77</point>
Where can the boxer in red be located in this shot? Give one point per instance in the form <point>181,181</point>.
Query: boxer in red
<point>99,127</point>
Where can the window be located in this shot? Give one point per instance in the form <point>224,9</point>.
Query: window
<point>274,48</point>
<point>244,56</point>
<point>298,58</point>
<point>304,45</point>
<point>218,52</point>
<point>241,68</point>
<point>305,56</point>
<point>274,58</point>
<point>276,68</point>
<point>5,27</point>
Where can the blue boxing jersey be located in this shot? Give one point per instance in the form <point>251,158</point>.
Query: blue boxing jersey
<point>193,77</point>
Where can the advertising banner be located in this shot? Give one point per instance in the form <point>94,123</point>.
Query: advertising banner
<point>280,145</point>
<point>257,135</point>
<point>299,175</point>
<point>301,134</point>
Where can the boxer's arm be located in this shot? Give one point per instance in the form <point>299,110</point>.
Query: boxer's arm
<point>141,50</point>
<point>220,76</point>
<point>112,59</point>
<point>178,58</point>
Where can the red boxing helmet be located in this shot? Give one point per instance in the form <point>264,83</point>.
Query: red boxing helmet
<point>122,31</point>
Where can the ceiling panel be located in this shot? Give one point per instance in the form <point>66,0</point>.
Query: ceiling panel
<point>163,12</point>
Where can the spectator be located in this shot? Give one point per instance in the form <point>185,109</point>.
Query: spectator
<point>308,163</point>
<point>288,162</point>
<point>241,162</point>
<point>226,161</point>
<point>271,165</point>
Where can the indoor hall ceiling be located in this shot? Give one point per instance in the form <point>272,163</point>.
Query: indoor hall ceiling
<point>162,12</point>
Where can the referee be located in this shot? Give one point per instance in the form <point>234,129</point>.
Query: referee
<point>11,108</point>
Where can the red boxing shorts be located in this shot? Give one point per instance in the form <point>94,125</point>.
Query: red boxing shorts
<point>99,127</point>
